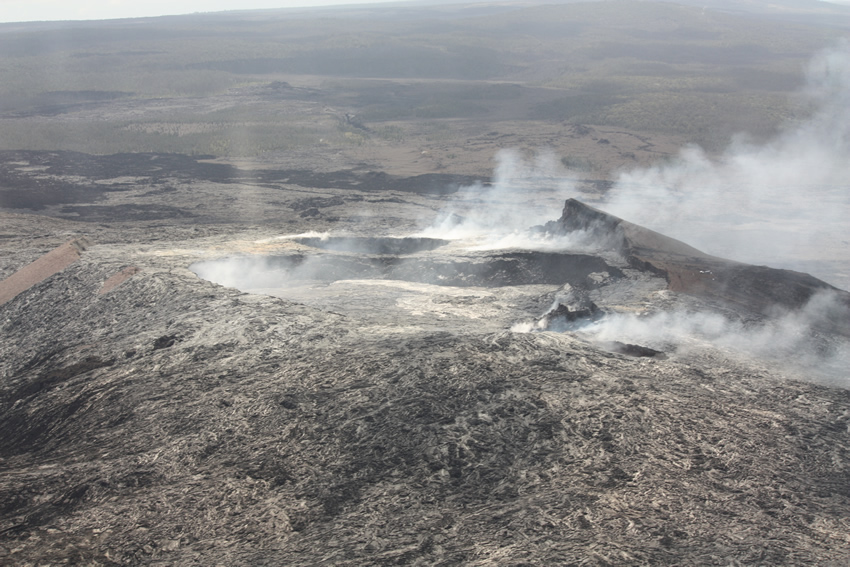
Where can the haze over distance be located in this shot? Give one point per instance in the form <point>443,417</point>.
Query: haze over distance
<point>57,10</point>
<point>779,200</point>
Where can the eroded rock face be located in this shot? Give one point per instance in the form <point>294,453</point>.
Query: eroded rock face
<point>756,288</point>
<point>564,317</point>
<point>635,350</point>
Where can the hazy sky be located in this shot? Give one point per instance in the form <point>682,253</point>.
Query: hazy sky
<point>40,10</point>
<point>37,10</point>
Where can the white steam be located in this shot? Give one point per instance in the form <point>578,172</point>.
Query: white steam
<point>524,193</point>
<point>308,234</point>
<point>259,272</point>
<point>245,272</point>
<point>790,339</point>
<point>783,203</point>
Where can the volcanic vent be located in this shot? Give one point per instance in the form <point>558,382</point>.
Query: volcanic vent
<point>418,276</point>
<point>613,297</point>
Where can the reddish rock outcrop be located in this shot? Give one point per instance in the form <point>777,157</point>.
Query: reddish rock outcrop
<point>54,261</point>
<point>117,279</point>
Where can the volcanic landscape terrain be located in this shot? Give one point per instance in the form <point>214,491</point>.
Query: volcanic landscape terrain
<point>407,330</point>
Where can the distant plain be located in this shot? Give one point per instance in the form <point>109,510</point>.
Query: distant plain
<point>413,88</point>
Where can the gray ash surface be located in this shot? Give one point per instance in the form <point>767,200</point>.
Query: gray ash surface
<point>172,420</point>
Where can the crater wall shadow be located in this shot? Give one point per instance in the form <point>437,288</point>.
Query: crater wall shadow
<point>505,269</point>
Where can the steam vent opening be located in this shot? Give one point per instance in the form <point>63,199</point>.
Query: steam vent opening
<point>250,273</point>
<point>417,277</point>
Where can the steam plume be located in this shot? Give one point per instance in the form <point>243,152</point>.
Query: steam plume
<point>782,203</point>
<point>524,193</point>
<point>789,339</point>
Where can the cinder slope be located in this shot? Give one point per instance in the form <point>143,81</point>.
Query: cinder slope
<point>176,421</point>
